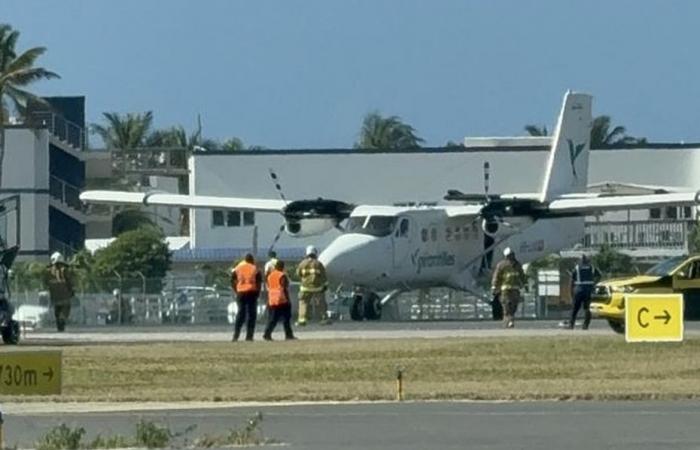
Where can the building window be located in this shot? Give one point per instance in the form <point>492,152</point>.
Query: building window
<point>217,218</point>
<point>403,228</point>
<point>687,212</point>
<point>248,218</point>
<point>671,212</point>
<point>448,234</point>
<point>424,235</point>
<point>655,213</point>
<point>233,218</point>
<point>458,234</point>
<point>433,234</point>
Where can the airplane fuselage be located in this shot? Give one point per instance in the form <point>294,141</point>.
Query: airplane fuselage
<point>424,247</point>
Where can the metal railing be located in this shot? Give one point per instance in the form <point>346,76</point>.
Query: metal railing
<point>638,234</point>
<point>66,193</point>
<point>65,130</point>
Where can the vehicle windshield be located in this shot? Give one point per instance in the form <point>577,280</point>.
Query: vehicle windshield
<point>665,267</point>
<point>373,225</point>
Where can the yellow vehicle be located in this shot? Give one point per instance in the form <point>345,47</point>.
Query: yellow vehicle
<point>676,275</point>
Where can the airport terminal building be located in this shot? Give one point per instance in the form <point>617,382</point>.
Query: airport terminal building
<point>422,177</point>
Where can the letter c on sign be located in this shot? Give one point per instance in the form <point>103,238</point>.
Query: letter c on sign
<point>639,317</point>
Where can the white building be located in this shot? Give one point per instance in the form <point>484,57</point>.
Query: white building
<point>418,176</point>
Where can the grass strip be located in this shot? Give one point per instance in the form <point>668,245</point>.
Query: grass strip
<point>532,368</point>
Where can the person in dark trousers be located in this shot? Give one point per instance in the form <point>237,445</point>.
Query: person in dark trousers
<point>246,282</point>
<point>583,278</point>
<point>278,302</point>
<point>59,280</point>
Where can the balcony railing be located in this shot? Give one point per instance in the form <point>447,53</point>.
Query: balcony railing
<point>65,192</point>
<point>62,128</point>
<point>638,234</point>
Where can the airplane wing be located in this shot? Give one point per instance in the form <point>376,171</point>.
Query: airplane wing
<point>463,210</point>
<point>618,202</point>
<point>184,201</point>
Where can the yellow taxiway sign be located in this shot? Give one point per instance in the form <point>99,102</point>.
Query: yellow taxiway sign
<point>654,317</point>
<point>30,372</point>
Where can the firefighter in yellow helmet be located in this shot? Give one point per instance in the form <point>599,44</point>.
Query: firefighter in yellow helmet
<point>312,292</point>
<point>508,280</point>
<point>59,281</point>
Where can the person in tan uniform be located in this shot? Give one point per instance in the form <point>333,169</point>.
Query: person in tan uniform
<point>312,292</point>
<point>59,281</point>
<point>508,280</point>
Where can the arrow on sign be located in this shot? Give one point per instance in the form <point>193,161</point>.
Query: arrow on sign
<point>49,374</point>
<point>666,317</point>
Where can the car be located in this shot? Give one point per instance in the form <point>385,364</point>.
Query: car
<point>680,274</point>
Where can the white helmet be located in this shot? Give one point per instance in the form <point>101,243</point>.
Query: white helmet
<point>311,250</point>
<point>507,251</point>
<point>57,257</point>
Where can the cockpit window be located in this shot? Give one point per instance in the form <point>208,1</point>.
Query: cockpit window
<point>373,225</point>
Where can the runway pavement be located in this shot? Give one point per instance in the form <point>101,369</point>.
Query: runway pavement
<point>440,425</point>
<point>339,330</point>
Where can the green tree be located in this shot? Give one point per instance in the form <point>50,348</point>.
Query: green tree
<point>612,263</point>
<point>128,220</point>
<point>233,144</point>
<point>124,132</point>
<point>17,72</point>
<point>386,133</point>
<point>602,136</point>
<point>138,251</point>
<point>536,130</point>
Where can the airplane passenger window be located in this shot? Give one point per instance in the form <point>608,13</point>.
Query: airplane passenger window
<point>403,227</point>
<point>424,235</point>
<point>433,234</point>
<point>465,231</point>
<point>448,234</point>
<point>458,234</point>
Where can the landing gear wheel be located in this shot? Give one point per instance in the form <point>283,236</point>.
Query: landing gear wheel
<point>372,307</point>
<point>356,309</point>
<point>11,333</point>
<point>618,327</point>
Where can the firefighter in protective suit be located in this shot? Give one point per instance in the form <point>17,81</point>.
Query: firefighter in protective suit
<point>59,281</point>
<point>508,280</point>
<point>312,292</point>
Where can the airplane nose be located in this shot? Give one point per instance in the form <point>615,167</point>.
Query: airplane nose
<point>346,258</point>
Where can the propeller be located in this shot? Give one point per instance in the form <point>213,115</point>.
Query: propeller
<point>278,186</point>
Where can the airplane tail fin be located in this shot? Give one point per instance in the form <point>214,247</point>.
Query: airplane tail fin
<point>567,168</point>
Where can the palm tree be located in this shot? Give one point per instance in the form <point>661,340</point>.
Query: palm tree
<point>603,137</point>
<point>124,132</point>
<point>536,130</point>
<point>386,133</point>
<point>16,73</point>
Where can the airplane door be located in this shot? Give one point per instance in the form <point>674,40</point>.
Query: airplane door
<point>402,242</point>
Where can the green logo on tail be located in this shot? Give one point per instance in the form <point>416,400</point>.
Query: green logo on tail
<point>574,152</point>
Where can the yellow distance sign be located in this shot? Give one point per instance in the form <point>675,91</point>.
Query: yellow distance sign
<point>654,317</point>
<point>30,372</point>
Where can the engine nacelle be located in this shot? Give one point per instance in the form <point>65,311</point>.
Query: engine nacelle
<point>311,226</point>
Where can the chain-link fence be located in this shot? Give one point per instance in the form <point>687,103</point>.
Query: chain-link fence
<point>189,300</point>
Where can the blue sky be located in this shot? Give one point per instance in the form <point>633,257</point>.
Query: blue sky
<point>295,74</point>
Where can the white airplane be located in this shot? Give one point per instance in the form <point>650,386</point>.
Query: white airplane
<point>396,249</point>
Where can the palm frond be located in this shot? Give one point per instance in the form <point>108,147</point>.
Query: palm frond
<point>24,77</point>
<point>25,60</point>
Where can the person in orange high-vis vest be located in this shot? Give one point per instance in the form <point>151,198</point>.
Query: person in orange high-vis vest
<point>279,305</point>
<point>246,282</point>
